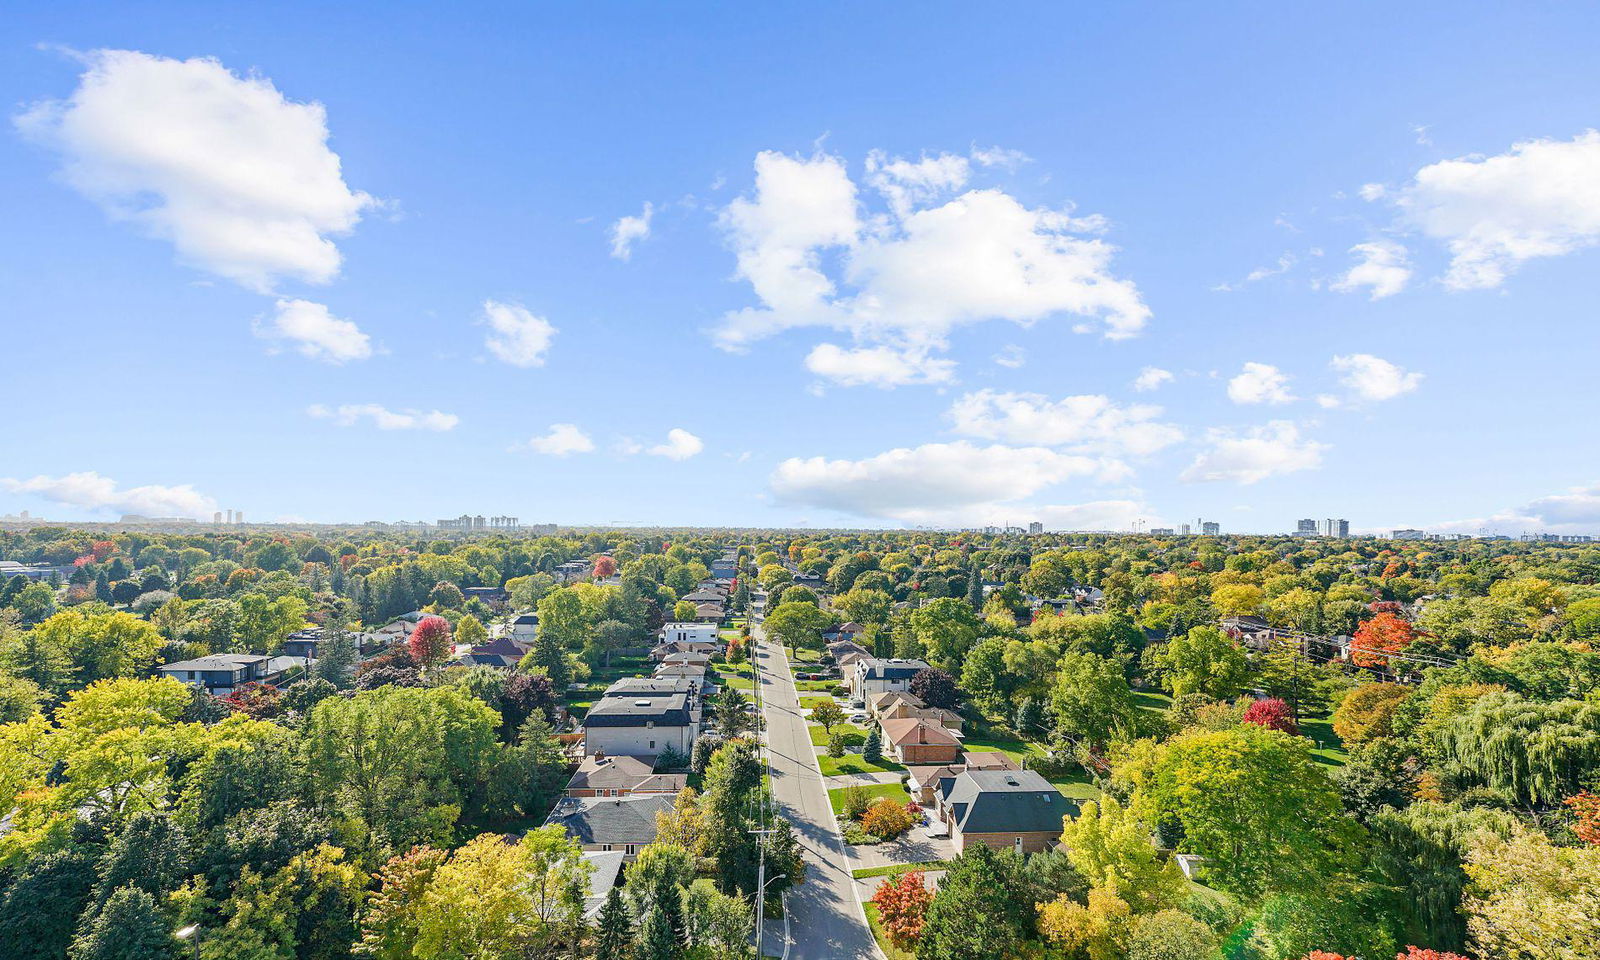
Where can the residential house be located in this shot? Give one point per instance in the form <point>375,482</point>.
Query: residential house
<point>302,643</point>
<point>693,672</point>
<point>610,824</point>
<point>901,710</point>
<point>662,651</point>
<point>222,673</point>
<point>883,702</point>
<point>707,595</point>
<point>1002,808</point>
<point>524,627</point>
<point>688,632</point>
<point>607,776</point>
<point>919,741</point>
<point>844,633</point>
<point>688,658</point>
<point>709,611</point>
<point>573,570</point>
<point>924,782</point>
<point>495,598</point>
<point>604,868</point>
<point>839,649</point>
<point>637,687</point>
<point>725,567</point>
<point>874,676</point>
<point>640,726</point>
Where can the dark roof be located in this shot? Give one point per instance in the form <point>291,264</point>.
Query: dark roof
<point>892,669</point>
<point>532,618</point>
<point>613,820</point>
<point>1005,801</point>
<point>607,864</point>
<point>647,687</point>
<point>669,711</point>
<point>218,661</point>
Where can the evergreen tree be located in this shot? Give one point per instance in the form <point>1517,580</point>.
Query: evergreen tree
<point>128,928</point>
<point>656,939</point>
<point>150,855</point>
<point>979,911</point>
<point>614,938</point>
<point>38,912</point>
<point>337,658</point>
<point>1028,717</point>
<point>975,588</point>
<point>102,587</point>
<point>872,750</point>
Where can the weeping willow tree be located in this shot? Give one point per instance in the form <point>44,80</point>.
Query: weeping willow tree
<point>1419,851</point>
<point>1537,752</point>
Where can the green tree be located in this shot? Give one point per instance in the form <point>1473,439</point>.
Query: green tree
<point>828,712</point>
<point>129,927</point>
<point>264,623</point>
<point>102,645</point>
<point>1170,935</point>
<point>614,936</point>
<point>978,912</point>
<point>1537,752</point>
<point>470,631</point>
<point>947,628</point>
<point>872,750</point>
<point>1111,848</point>
<point>985,678</point>
<point>1203,661</point>
<point>1255,804</point>
<point>797,625</point>
<point>1092,699</point>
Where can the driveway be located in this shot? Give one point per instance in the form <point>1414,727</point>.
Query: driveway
<point>825,917</point>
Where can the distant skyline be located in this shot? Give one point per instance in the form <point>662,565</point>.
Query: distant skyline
<point>804,265</point>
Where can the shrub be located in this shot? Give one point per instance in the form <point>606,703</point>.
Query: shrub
<point>836,746</point>
<point>1368,711</point>
<point>855,802</point>
<point>886,819</point>
<point>1273,714</point>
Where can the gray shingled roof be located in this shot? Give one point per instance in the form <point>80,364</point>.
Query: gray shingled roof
<point>672,711</point>
<point>648,687</point>
<point>1005,801</point>
<point>614,820</point>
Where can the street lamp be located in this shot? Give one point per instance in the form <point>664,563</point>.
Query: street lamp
<point>192,934</point>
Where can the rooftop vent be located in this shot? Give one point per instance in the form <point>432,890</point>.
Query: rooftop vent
<point>641,703</point>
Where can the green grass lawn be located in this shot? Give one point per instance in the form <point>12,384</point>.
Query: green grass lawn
<point>1152,700</point>
<point>816,686</point>
<point>811,703</point>
<point>730,675</point>
<point>854,736</point>
<point>854,763</point>
<point>891,790</point>
<point>876,923</point>
<point>1320,730</point>
<point>895,869</point>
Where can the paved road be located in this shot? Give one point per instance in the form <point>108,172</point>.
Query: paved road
<point>825,918</point>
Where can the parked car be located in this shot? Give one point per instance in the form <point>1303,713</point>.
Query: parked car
<point>858,718</point>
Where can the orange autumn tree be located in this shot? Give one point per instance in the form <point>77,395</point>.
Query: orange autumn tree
<point>1379,638</point>
<point>604,566</point>
<point>1586,807</point>
<point>902,902</point>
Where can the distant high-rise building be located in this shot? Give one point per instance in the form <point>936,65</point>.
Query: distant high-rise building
<point>1036,527</point>
<point>1184,529</point>
<point>1161,531</point>
<point>230,516</point>
<point>1338,529</point>
<point>1305,528</point>
<point>1409,533</point>
<point>238,516</point>
<point>216,517</point>
<point>1210,528</point>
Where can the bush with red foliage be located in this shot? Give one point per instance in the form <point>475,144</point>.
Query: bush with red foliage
<point>1273,714</point>
<point>258,701</point>
<point>902,903</point>
<point>604,566</point>
<point>1421,953</point>
<point>430,641</point>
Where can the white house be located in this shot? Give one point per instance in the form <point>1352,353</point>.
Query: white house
<point>640,727</point>
<point>873,676</point>
<point>684,632</point>
<point>524,627</point>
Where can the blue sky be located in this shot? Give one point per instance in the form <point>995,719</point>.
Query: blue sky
<point>898,269</point>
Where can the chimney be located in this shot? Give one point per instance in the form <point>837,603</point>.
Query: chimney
<point>599,756</point>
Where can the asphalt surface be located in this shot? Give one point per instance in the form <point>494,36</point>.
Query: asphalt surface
<point>825,918</point>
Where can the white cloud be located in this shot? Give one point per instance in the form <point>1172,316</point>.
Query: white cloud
<point>1260,383</point>
<point>1373,191</point>
<point>93,492</point>
<point>630,230</point>
<point>1150,378</point>
<point>1372,378</point>
<point>906,184</point>
<point>933,482</point>
<point>316,333</point>
<point>349,414</point>
<point>1383,270</point>
<point>1541,199</point>
<point>1247,457</point>
<point>905,278</point>
<point>1285,263</point>
<point>1579,506</point>
<point>877,366</point>
<point>680,445</point>
<point>1011,356</point>
<point>237,177</point>
<point>1087,423</point>
<point>562,440</point>
<point>999,157</point>
<point>516,335</point>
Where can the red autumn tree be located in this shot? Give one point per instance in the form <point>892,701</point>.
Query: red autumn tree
<point>1273,714</point>
<point>430,641</point>
<point>1421,953</point>
<point>1379,638</point>
<point>604,567</point>
<point>902,902</point>
<point>258,701</point>
<point>1586,807</point>
<point>1323,955</point>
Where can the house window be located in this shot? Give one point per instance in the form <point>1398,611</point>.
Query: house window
<point>605,847</point>
<point>652,744</point>
<point>629,850</point>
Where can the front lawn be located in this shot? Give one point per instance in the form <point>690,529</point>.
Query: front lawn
<point>811,703</point>
<point>854,736</point>
<point>1326,745</point>
<point>891,790</point>
<point>895,869</point>
<point>816,686</point>
<point>854,763</point>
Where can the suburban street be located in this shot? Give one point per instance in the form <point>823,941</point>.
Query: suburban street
<point>825,918</point>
